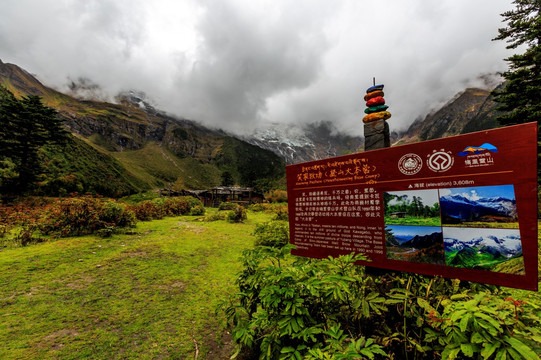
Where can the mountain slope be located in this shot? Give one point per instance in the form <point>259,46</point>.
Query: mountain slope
<point>456,208</point>
<point>487,252</point>
<point>297,144</point>
<point>81,168</point>
<point>469,111</point>
<point>154,148</point>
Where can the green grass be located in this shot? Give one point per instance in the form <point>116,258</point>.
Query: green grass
<point>157,166</point>
<point>151,294</point>
<point>147,295</point>
<point>413,220</point>
<point>151,159</point>
<point>487,262</point>
<point>479,224</point>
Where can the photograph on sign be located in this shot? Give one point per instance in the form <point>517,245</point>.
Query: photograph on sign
<point>497,250</point>
<point>415,243</point>
<point>416,207</point>
<point>460,207</point>
<point>487,206</point>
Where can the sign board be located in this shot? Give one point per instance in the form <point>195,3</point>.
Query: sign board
<point>460,207</point>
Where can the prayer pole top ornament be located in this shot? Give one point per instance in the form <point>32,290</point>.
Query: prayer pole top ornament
<point>375,104</point>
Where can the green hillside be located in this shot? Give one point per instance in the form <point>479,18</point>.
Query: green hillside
<point>120,149</point>
<point>250,165</point>
<point>471,258</point>
<point>79,167</point>
<point>159,167</point>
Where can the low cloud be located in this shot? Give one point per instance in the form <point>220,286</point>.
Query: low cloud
<point>238,64</point>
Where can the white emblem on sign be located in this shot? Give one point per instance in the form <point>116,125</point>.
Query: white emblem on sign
<point>410,164</point>
<point>440,161</point>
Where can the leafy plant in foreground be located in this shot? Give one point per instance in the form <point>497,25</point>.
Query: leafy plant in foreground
<point>299,308</point>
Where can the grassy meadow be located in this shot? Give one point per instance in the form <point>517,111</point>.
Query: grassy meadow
<point>148,294</point>
<point>479,224</point>
<point>153,292</point>
<point>413,220</point>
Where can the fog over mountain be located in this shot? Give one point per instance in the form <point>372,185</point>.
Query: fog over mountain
<point>239,64</point>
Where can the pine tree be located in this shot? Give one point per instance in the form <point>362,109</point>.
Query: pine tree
<point>25,126</point>
<point>227,178</point>
<point>521,97</point>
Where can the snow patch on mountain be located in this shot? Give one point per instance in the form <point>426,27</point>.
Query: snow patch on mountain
<point>296,143</point>
<point>500,205</point>
<point>508,245</point>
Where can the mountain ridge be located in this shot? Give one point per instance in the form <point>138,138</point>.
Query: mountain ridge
<point>457,208</point>
<point>309,142</point>
<point>468,111</point>
<point>483,252</point>
<point>128,129</point>
<point>133,123</point>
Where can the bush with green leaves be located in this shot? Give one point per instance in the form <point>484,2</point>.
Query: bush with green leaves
<point>161,207</point>
<point>299,308</point>
<point>257,207</point>
<point>227,206</point>
<point>85,215</point>
<point>197,210</point>
<point>147,210</point>
<point>273,233</point>
<point>276,196</point>
<point>214,216</point>
<point>281,212</point>
<point>237,214</point>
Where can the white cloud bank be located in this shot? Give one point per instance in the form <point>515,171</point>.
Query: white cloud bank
<point>237,64</point>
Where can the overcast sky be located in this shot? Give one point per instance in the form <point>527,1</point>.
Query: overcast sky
<point>238,64</point>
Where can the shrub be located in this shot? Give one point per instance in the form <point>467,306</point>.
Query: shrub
<point>176,206</point>
<point>147,210</point>
<point>220,215</point>
<point>85,215</point>
<point>197,210</point>
<point>161,207</point>
<point>292,307</point>
<point>4,229</point>
<point>273,233</point>
<point>278,196</point>
<point>115,214</point>
<point>139,197</point>
<point>257,207</point>
<point>26,237</point>
<point>106,232</point>
<point>237,214</point>
<point>193,201</point>
<point>227,206</point>
<point>281,212</point>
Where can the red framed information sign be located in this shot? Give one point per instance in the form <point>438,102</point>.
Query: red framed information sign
<point>461,207</point>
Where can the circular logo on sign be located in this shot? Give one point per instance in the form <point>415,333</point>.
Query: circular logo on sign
<point>440,161</point>
<point>410,164</point>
